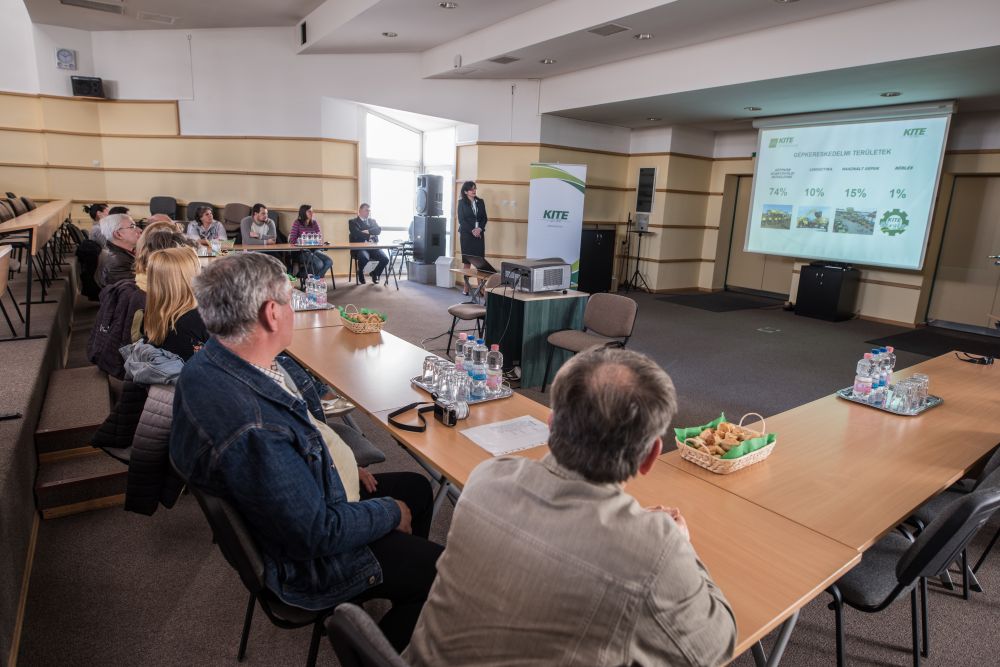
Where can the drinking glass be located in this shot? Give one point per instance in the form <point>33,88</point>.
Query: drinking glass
<point>922,382</point>
<point>216,246</point>
<point>430,363</point>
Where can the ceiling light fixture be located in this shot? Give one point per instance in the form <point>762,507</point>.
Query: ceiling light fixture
<point>890,93</point>
<point>653,119</point>
<point>547,61</point>
<point>390,34</point>
<point>448,5</point>
<point>643,35</point>
<point>751,108</point>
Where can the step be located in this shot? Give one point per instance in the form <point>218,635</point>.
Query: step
<point>78,484</point>
<point>76,404</point>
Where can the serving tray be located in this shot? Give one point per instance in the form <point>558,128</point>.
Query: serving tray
<point>932,402</point>
<point>505,392</point>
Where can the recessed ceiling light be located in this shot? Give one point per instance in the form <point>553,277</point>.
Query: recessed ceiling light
<point>448,5</point>
<point>390,34</point>
<point>547,61</point>
<point>890,93</point>
<point>751,108</point>
<point>653,118</point>
<point>643,35</point>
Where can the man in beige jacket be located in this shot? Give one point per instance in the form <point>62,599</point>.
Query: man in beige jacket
<point>551,562</point>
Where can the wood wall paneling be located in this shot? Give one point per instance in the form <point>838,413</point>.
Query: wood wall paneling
<point>22,147</point>
<point>20,111</point>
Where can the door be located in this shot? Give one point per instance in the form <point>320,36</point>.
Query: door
<point>748,270</point>
<point>966,291</point>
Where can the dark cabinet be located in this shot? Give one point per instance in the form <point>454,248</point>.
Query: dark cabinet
<point>827,292</point>
<point>597,260</point>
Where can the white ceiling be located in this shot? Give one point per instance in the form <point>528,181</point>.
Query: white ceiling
<point>189,14</point>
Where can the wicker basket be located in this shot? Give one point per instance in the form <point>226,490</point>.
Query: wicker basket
<point>725,466</point>
<point>372,326</point>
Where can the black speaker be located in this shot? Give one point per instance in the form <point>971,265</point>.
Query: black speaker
<point>597,258</point>
<point>429,195</point>
<point>87,86</point>
<point>428,238</point>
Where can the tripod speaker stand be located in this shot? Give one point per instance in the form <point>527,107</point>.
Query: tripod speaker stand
<point>637,281</point>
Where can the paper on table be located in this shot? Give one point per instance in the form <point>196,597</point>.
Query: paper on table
<point>509,436</point>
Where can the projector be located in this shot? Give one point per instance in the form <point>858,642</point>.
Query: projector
<point>536,275</point>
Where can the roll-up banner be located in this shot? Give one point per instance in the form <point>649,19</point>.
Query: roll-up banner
<point>555,213</point>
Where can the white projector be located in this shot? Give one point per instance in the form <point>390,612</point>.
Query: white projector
<point>536,275</point>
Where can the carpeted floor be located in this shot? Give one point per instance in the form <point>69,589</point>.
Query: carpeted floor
<point>113,588</point>
<point>935,341</point>
<point>722,302</point>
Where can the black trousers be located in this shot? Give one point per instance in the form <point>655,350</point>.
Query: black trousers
<point>365,256</point>
<point>409,562</point>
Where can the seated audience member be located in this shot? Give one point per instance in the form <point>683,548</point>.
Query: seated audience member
<point>257,228</point>
<point>362,229</point>
<point>118,257</point>
<point>249,428</point>
<point>310,261</point>
<point>156,236</point>
<point>171,321</point>
<point>118,210</point>
<point>97,212</point>
<point>553,562</point>
<point>204,228</point>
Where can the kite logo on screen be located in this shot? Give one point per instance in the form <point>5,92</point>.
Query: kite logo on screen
<point>778,141</point>
<point>893,222</point>
<point>915,132</point>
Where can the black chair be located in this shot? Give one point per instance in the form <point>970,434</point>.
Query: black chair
<point>241,551</point>
<point>232,216</point>
<point>273,215</point>
<point>193,206</point>
<point>471,311</point>
<point>17,205</point>
<point>165,205</point>
<point>897,564</point>
<point>358,641</point>
<point>933,507</point>
<point>29,203</point>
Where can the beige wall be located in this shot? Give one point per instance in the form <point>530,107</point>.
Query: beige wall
<point>126,152</point>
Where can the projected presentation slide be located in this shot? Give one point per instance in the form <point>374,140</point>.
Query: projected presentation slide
<point>858,192</point>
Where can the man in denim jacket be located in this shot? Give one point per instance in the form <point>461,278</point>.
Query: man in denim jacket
<point>249,428</point>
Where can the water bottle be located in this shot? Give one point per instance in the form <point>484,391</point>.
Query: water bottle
<point>470,343</point>
<point>863,379</point>
<point>320,284</point>
<point>479,354</point>
<point>494,370</point>
<point>460,352</point>
<point>311,290</point>
<point>478,373</point>
<point>890,363</point>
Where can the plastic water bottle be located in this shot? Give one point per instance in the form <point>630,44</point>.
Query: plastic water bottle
<point>479,353</point>
<point>494,370</point>
<point>478,373</point>
<point>470,343</point>
<point>311,290</point>
<point>320,284</point>
<point>890,364</point>
<point>863,378</point>
<point>460,351</point>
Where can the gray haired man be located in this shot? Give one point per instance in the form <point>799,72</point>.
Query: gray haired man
<point>117,260</point>
<point>551,562</point>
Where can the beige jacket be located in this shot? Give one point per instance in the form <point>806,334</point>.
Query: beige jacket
<point>545,568</point>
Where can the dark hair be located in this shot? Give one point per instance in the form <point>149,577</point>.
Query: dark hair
<point>608,406</point>
<point>115,210</point>
<point>302,213</point>
<point>255,209</point>
<point>94,209</point>
<point>468,185</point>
<point>200,211</point>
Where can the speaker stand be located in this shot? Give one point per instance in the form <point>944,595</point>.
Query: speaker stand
<point>637,281</point>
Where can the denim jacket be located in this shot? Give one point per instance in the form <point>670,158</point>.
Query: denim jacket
<point>238,435</point>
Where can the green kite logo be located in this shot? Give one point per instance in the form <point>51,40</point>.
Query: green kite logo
<point>893,222</point>
<point>915,132</point>
<point>555,215</point>
<point>778,141</point>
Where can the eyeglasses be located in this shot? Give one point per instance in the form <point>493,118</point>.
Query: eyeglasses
<point>132,226</point>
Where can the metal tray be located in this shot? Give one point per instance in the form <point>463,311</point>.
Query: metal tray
<point>932,402</point>
<point>505,392</point>
<point>306,309</point>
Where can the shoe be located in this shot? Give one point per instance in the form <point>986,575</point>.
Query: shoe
<point>335,407</point>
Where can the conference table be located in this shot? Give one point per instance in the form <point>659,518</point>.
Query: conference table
<point>767,565</point>
<point>393,248</point>
<point>41,224</point>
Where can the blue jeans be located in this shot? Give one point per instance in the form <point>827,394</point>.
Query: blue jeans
<point>314,262</point>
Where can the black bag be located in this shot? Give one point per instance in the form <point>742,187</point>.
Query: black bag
<point>88,253</point>
<point>113,328</point>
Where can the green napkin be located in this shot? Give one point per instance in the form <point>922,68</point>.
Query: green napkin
<point>742,449</point>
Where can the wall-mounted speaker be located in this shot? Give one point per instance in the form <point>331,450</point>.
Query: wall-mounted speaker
<point>645,189</point>
<point>428,238</point>
<point>87,86</point>
<point>429,195</point>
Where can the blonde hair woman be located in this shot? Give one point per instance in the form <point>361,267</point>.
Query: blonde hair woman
<point>172,321</point>
<point>156,236</point>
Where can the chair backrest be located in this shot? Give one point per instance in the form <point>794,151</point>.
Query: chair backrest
<point>233,214</point>
<point>163,204</point>
<point>6,212</point>
<point>942,541</point>
<point>29,203</point>
<point>992,465</point>
<point>492,281</point>
<point>610,315</point>
<point>273,215</point>
<point>193,207</point>
<point>17,205</point>
<point>233,539</point>
<point>358,641</point>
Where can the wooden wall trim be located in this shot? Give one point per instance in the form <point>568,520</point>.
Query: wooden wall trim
<point>161,170</point>
<point>22,600</point>
<point>883,283</point>
<point>677,191</point>
<point>974,151</point>
<point>132,135</point>
<point>283,209</point>
<point>685,260</point>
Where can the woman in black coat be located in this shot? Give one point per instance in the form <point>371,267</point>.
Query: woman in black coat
<point>471,226</point>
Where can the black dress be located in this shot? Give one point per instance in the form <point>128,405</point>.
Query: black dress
<point>467,219</point>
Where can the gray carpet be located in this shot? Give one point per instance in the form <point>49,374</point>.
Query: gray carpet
<point>113,588</point>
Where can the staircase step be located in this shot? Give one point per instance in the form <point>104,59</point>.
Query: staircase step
<point>76,403</point>
<point>76,484</point>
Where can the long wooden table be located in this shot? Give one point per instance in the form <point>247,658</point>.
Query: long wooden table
<point>41,224</point>
<point>4,269</point>
<point>852,472</point>
<point>363,245</point>
<point>767,565</point>
<point>317,319</point>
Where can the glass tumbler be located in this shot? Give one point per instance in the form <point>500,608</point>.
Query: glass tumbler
<point>430,364</point>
